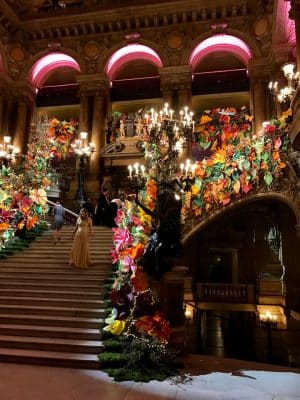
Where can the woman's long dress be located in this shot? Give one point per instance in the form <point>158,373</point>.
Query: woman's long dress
<point>80,251</point>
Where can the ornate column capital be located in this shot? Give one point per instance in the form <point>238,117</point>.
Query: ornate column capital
<point>23,91</point>
<point>259,68</point>
<point>93,84</point>
<point>177,77</point>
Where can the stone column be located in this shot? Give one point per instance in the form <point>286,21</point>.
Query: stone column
<point>25,97</point>
<point>95,86</point>
<point>7,115</point>
<point>176,80</point>
<point>83,111</point>
<point>259,92</point>
<point>295,15</point>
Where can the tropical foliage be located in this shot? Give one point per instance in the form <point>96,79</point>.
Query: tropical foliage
<point>234,161</point>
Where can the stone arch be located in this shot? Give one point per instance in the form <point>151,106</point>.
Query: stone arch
<point>43,63</point>
<point>235,42</point>
<point>118,56</point>
<point>252,198</point>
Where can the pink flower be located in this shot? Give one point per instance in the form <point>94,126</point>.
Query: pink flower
<point>122,238</point>
<point>120,216</point>
<point>114,256</point>
<point>128,264</point>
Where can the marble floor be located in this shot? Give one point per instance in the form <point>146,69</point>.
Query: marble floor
<point>204,378</point>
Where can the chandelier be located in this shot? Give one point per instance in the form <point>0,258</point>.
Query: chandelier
<point>286,94</point>
<point>7,151</point>
<point>167,135</point>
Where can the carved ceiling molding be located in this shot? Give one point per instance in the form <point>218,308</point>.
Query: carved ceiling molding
<point>59,24</point>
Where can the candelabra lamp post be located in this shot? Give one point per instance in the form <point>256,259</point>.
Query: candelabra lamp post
<point>269,322</point>
<point>7,151</point>
<point>83,151</point>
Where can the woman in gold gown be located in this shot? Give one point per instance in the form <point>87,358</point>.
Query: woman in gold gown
<point>80,251</point>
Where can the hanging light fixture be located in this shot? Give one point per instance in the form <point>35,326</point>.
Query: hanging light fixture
<point>7,151</point>
<point>285,95</point>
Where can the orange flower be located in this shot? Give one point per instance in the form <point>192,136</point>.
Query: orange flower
<point>151,189</point>
<point>31,221</point>
<point>139,280</point>
<point>4,226</point>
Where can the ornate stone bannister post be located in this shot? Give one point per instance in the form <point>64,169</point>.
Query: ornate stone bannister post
<point>170,292</point>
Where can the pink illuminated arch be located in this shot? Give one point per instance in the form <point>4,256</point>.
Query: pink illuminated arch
<point>41,69</point>
<point>129,53</point>
<point>221,42</point>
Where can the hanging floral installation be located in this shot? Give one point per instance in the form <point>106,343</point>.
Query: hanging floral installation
<point>61,135</point>
<point>233,161</point>
<point>24,186</point>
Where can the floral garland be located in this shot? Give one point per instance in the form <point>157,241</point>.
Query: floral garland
<point>23,187</point>
<point>134,310</point>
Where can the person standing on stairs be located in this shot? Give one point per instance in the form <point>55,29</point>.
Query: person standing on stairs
<point>80,251</point>
<point>58,220</point>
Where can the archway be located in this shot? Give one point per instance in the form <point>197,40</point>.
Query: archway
<point>245,250</point>
<point>42,68</point>
<point>219,65</point>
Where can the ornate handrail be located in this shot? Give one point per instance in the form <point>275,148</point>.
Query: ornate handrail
<point>72,214</point>
<point>225,292</point>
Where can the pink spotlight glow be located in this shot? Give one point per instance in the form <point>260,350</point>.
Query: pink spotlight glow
<point>46,64</point>
<point>221,42</point>
<point>129,53</point>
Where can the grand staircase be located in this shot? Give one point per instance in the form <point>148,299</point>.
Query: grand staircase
<point>50,313</point>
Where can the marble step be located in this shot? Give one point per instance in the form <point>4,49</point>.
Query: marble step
<point>80,312</point>
<point>51,321</point>
<point>50,358</point>
<point>62,294</point>
<point>63,332</point>
<point>51,344</point>
<point>51,301</point>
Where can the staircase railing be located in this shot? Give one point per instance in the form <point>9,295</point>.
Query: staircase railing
<point>70,216</point>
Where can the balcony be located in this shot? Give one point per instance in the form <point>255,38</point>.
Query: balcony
<point>225,296</point>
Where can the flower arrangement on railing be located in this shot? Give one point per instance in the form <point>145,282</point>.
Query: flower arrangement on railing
<point>235,161</point>
<point>135,315</point>
<point>61,135</point>
<point>23,190</point>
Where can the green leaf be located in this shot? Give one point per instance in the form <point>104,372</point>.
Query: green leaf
<point>268,178</point>
<point>246,165</point>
